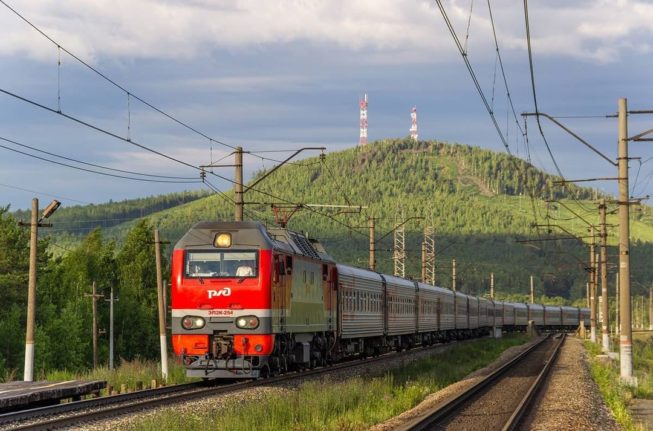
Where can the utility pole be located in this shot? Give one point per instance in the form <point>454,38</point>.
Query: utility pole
<point>617,320</point>
<point>587,294</point>
<point>111,300</point>
<point>94,297</point>
<point>605,321</point>
<point>532,291</point>
<point>592,288</point>
<point>492,285</point>
<point>650,309</point>
<point>162,311</point>
<point>31,294</point>
<point>372,264</point>
<point>626,337</point>
<point>34,224</point>
<point>453,275</point>
<point>238,186</point>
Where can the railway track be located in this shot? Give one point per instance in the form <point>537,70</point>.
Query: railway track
<point>499,401</point>
<point>97,409</point>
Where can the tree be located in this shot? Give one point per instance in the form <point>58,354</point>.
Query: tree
<point>137,313</point>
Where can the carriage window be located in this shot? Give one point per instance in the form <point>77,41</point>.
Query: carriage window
<point>221,264</point>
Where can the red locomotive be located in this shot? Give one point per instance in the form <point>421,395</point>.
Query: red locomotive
<point>248,301</point>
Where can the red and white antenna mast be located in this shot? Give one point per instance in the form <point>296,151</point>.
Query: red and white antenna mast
<point>413,124</point>
<point>363,121</point>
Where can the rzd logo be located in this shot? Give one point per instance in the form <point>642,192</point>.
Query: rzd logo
<point>222,292</point>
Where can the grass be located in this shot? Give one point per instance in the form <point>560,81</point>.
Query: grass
<point>128,373</point>
<point>614,392</point>
<point>349,405</point>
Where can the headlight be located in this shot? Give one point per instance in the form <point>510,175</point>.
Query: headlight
<point>222,240</point>
<point>247,322</point>
<point>192,322</point>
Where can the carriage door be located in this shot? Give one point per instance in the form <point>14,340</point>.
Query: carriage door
<point>278,293</point>
<point>329,286</point>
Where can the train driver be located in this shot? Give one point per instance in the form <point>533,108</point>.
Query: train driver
<point>245,270</point>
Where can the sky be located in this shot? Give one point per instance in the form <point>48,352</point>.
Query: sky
<point>286,74</point>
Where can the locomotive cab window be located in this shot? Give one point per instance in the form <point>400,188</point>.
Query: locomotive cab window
<point>221,264</point>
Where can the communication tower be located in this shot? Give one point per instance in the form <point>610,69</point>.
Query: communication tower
<point>413,124</point>
<point>363,121</point>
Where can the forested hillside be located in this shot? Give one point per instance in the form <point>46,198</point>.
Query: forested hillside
<point>478,201</point>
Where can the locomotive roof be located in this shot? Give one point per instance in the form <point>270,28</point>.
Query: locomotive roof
<point>253,234</point>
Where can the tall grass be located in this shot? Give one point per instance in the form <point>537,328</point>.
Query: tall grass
<point>614,392</point>
<point>128,373</point>
<point>353,404</point>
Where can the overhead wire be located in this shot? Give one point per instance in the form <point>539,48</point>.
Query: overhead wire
<point>532,74</point>
<point>70,159</point>
<point>470,69</point>
<point>96,128</point>
<point>503,71</point>
<point>537,112</point>
<point>94,171</point>
<point>44,194</point>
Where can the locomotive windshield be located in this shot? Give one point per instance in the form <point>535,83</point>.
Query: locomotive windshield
<point>221,264</point>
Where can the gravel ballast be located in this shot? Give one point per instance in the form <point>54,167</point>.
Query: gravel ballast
<point>570,400</point>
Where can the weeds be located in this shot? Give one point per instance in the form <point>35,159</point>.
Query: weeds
<point>616,394</point>
<point>128,373</point>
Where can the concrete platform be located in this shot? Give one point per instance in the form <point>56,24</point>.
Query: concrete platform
<point>22,395</point>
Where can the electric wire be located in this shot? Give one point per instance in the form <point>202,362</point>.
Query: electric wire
<point>503,71</point>
<point>537,111</point>
<point>44,194</point>
<point>472,74</point>
<point>94,171</point>
<point>93,164</point>
<point>337,183</point>
<point>96,128</point>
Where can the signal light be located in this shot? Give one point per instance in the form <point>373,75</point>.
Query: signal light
<point>192,322</point>
<point>247,322</point>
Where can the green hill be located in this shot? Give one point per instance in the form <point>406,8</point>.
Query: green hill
<point>479,202</point>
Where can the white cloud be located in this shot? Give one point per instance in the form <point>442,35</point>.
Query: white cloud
<point>181,29</point>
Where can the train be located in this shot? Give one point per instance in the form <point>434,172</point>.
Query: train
<point>250,301</point>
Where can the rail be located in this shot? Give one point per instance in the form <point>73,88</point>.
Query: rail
<point>449,408</point>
